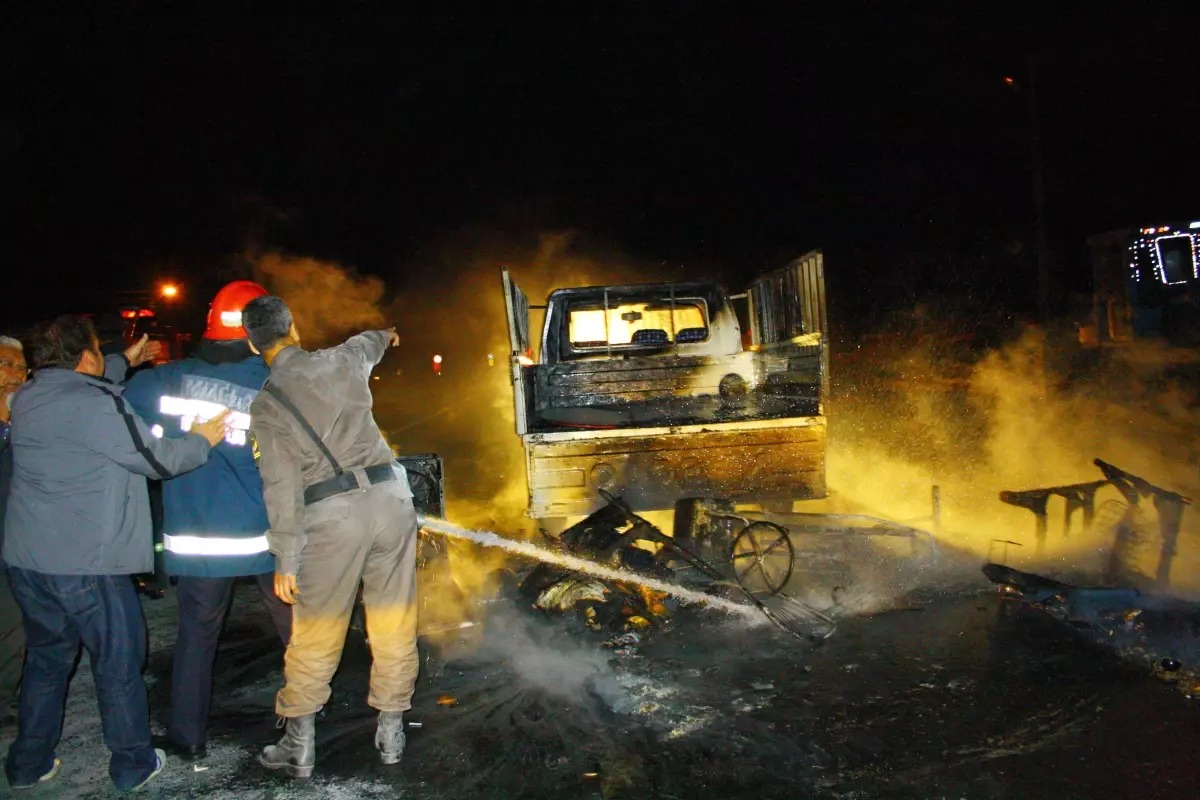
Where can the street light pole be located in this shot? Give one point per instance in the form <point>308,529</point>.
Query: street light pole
<point>1042,252</point>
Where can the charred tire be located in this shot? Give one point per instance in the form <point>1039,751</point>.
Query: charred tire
<point>762,558</point>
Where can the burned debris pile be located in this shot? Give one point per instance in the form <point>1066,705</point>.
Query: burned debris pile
<point>755,564</point>
<point>1155,632</point>
<point>596,605</point>
<point>1126,608</point>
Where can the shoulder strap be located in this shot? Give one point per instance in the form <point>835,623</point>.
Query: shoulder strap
<point>278,394</point>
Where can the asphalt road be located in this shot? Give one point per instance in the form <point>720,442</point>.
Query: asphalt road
<point>967,698</point>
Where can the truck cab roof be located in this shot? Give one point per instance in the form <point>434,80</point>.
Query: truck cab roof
<point>706,289</point>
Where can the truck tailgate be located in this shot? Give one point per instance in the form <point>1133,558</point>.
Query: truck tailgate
<point>653,467</point>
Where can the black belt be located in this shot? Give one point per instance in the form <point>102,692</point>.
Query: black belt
<point>347,482</point>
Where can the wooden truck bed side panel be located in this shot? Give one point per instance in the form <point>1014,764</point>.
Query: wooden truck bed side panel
<point>768,460</point>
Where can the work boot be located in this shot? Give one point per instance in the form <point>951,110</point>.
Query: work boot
<point>296,752</point>
<point>389,736</point>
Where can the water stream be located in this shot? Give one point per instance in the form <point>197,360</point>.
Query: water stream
<point>490,539</point>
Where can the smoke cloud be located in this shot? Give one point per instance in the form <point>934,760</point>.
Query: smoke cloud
<point>328,301</point>
<point>1021,416</point>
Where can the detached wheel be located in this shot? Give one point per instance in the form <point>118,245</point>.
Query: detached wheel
<point>763,558</point>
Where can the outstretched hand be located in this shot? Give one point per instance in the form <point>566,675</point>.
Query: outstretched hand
<point>141,351</point>
<point>215,429</point>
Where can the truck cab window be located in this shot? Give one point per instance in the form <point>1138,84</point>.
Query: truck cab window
<point>636,323</point>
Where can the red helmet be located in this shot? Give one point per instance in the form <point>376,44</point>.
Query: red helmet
<point>225,313</point>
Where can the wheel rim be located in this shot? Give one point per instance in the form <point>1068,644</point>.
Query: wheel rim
<point>763,558</point>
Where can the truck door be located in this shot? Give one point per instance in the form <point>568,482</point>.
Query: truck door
<point>789,302</point>
<point>788,331</point>
<point>516,305</point>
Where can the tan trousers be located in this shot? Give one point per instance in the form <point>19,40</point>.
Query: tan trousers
<point>361,536</point>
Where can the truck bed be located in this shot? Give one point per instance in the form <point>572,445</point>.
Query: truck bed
<point>653,467</point>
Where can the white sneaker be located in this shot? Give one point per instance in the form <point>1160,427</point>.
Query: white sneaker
<point>162,764</point>
<point>49,776</point>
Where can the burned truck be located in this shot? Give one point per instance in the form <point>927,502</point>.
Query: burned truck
<point>660,391</point>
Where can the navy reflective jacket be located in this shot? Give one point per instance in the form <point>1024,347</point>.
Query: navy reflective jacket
<point>214,518</point>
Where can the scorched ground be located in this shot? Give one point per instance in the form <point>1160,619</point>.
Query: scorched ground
<point>970,697</point>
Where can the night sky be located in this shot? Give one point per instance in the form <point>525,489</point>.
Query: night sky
<point>135,144</point>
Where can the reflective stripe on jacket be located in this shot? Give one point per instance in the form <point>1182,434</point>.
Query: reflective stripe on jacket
<point>214,519</point>
<point>207,545</point>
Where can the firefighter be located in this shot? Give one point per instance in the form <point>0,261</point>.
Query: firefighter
<point>341,514</point>
<point>214,518</point>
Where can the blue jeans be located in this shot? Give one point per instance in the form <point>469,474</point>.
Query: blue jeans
<point>103,613</point>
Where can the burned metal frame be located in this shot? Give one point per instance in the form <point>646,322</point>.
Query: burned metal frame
<point>788,614</point>
<point>710,525</point>
<point>1167,503</point>
<point>1078,496</point>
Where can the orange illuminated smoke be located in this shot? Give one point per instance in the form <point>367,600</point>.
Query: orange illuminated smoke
<point>170,290</point>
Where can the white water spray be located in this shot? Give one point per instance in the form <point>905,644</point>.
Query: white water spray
<point>490,539</point>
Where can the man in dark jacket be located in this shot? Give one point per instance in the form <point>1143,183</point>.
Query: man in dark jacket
<point>214,519</point>
<point>77,528</point>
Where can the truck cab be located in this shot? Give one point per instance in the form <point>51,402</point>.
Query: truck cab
<point>1146,285</point>
<point>664,390</point>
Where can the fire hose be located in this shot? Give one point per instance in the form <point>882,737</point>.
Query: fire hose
<point>788,614</point>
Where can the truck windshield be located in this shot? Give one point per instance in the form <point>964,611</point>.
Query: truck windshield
<point>636,322</point>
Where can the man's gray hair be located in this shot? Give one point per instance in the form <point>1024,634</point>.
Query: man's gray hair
<point>266,320</point>
<point>8,341</point>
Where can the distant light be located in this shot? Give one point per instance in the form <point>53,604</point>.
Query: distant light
<point>376,377</point>
<point>128,314</point>
<point>145,312</point>
<point>491,360</point>
<point>1194,225</point>
<point>1163,229</point>
<point>437,359</point>
<point>1009,81</point>
<point>170,290</point>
